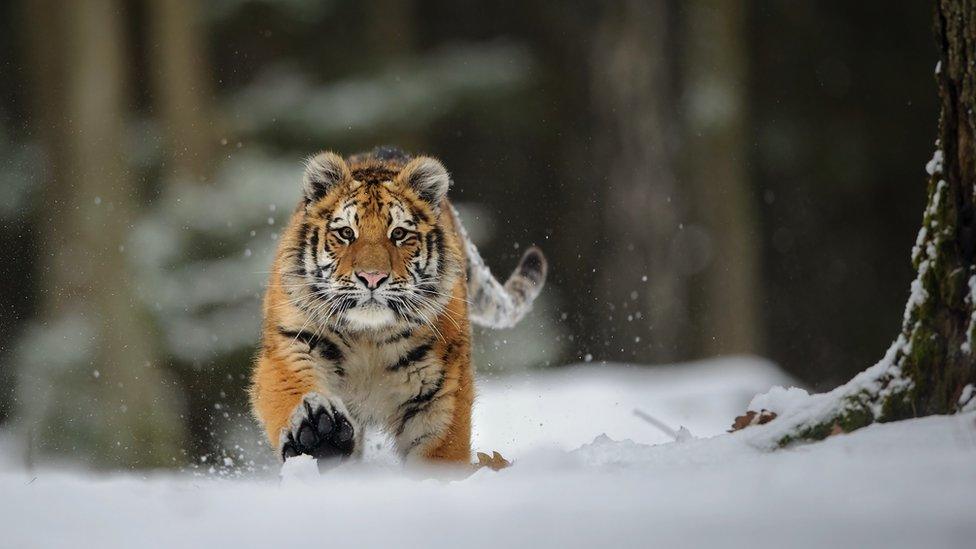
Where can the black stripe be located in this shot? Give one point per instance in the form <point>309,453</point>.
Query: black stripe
<point>329,350</point>
<point>326,347</point>
<point>426,396</point>
<point>397,337</point>
<point>420,402</point>
<point>314,245</point>
<point>407,416</point>
<point>429,241</point>
<point>531,266</point>
<point>301,248</point>
<point>308,338</point>
<point>441,263</point>
<point>413,355</point>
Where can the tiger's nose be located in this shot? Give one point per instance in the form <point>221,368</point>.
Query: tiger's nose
<point>372,279</point>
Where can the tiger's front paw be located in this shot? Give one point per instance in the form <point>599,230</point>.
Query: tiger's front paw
<point>320,427</point>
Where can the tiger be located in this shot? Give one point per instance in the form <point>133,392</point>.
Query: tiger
<point>368,310</point>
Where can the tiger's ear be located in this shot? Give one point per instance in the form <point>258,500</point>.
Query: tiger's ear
<point>323,172</point>
<point>428,178</point>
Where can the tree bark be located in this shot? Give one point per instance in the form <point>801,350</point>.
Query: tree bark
<point>941,327</point>
<point>931,366</point>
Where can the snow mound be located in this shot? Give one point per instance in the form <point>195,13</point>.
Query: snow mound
<point>299,469</point>
<point>779,399</point>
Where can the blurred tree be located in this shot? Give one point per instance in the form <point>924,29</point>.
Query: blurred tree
<point>390,28</point>
<point>643,208</point>
<point>182,86</point>
<point>91,386</point>
<point>722,243</point>
<point>22,170</point>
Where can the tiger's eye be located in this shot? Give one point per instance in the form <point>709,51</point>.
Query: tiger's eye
<point>347,233</point>
<point>397,233</point>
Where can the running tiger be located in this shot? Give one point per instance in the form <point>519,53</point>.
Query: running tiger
<point>366,314</point>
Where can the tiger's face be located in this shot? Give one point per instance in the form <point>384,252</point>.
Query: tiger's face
<point>371,252</point>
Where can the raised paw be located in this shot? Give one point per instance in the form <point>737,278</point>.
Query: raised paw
<point>319,427</point>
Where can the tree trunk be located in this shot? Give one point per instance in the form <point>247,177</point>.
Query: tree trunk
<point>931,366</point>
<point>941,324</point>
<point>182,86</point>
<point>645,311</point>
<point>89,387</point>
<point>714,166</point>
<point>390,28</point>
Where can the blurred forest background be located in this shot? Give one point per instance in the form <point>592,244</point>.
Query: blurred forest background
<point>707,177</point>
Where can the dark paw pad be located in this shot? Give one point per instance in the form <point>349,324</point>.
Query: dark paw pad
<point>323,433</point>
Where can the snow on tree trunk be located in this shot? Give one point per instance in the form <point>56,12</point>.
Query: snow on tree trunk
<point>931,366</point>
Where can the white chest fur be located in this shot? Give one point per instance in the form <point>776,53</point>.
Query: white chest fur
<point>378,382</point>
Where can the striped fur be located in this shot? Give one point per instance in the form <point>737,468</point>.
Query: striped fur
<point>337,354</point>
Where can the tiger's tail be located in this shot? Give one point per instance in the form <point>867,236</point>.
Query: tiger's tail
<point>497,305</point>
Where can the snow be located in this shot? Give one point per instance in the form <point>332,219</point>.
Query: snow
<point>779,399</point>
<point>299,469</point>
<point>518,413</point>
<point>966,401</point>
<point>797,410</point>
<point>967,346</point>
<point>587,472</point>
<point>934,165</point>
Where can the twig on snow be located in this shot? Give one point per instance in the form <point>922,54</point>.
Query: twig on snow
<point>681,435</point>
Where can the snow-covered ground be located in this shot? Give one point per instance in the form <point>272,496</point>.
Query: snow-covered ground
<point>587,473</point>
